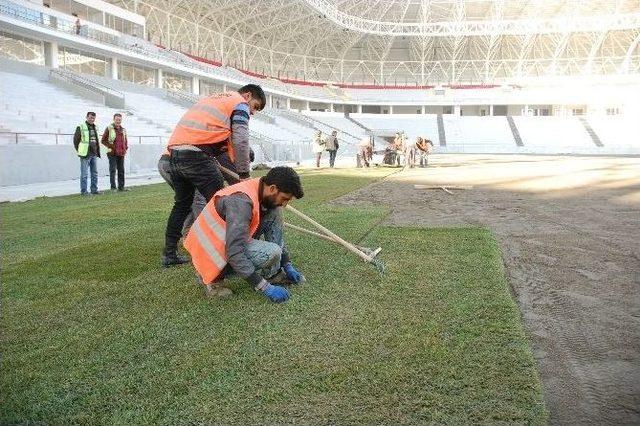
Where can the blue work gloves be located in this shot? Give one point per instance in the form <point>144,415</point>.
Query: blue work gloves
<point>292,274</point>
<point>275,293</point>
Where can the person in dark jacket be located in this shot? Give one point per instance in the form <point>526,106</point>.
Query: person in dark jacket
<point>164,165</point>
<point>115,139</point>
<point>332,146</point>
<point>85,141</point>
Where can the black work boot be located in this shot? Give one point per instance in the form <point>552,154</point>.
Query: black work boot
<point>173,258</point>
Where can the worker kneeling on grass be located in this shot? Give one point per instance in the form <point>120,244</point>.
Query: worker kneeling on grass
<point>225,238</point>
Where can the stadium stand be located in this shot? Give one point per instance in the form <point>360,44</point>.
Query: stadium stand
<point>509,115</point>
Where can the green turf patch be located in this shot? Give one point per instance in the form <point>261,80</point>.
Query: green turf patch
<point>93,331</point>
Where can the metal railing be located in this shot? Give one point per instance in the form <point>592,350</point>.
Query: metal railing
<point>109,96</point>
<point>43,138</point>
<point>42,19</point>
<point>86,82</point>
<point>182,98</point>
<point>273,150</point>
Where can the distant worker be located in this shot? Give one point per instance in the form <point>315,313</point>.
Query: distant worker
<point>423,147</point>
<point>214,125</point>
<point>365,151</point>
<point>400,147</point>
<point>225,238</point>
<point>332,146</point>
<point>318,146</point>
<point>85,140</point>
<point>115,139</point>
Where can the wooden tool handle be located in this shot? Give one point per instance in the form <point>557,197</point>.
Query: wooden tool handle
<point>336,238</point>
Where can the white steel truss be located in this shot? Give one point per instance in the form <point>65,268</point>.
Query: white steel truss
<point>291,39</point>
<point>476,28</point>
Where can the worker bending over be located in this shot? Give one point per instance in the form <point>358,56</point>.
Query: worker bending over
<point>215,125</point>
<point>225,238</point>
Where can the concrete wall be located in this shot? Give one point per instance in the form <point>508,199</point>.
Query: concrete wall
<point>24,164</point>
<point>407,109</point>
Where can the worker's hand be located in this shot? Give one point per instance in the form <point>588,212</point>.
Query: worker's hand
<point>293,274</point>
<point>275,293</point>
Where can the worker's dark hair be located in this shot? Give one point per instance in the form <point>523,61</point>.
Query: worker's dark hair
<point>286,180</point>
<point>256,91</point>
<point>91,113</point>
<point>117,114</point>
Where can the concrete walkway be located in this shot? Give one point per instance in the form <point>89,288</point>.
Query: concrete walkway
<point>145,177</point>
<point>67,187</point>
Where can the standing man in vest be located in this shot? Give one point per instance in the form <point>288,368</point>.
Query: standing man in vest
<point>225,238</point>
<point>86,143</point>
<point>115,139</point>
<point>216,124</point>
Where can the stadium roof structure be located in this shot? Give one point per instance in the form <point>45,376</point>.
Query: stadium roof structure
<point>415,42</point>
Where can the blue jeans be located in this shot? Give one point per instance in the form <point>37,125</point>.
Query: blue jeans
<point>266,254</point>
<point>86,163</point>
<point>332,157</point>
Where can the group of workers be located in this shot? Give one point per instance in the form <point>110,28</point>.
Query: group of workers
<point>227,224</point>
<point>327,143</point>
<point>236,229</point>
<point>399,152</point>
<point>402,153</point>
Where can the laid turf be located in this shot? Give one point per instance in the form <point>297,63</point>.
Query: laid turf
<point>93,331</point>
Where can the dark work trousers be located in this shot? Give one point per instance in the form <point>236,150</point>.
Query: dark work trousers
<point>116,162</point>
<point>164,167</point>
<point>332,157</point>
<point>189,170</point>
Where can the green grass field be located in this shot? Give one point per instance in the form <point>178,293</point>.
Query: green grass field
<point>95,332</point>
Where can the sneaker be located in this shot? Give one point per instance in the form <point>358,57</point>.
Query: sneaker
<point>96,193</point>
<point>172,259</point>
<point>85,194</point>
<point>124,189</point>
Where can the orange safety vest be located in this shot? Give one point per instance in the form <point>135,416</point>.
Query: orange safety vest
<point>208,122</point>
<point>205,241</point>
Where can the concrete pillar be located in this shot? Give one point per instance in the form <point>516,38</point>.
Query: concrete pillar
<point>307,106</point>
<point>390,109</point>
<point>490,109</point>
<point>270,101</point>
<point>359,109</point>
<point>114,68</point>
<point>423,109</point>
<point>525,110</point>
<point>195,85</point>
<point>51,54</point>
<point>159,79</point>
<point>456,110</point>
<point>332,107</point>
<point>288,103</point>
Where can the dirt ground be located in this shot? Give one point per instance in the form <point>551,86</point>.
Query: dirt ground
<point>569,229</point>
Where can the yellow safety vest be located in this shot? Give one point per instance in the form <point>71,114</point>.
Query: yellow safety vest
<point>83,146</point>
